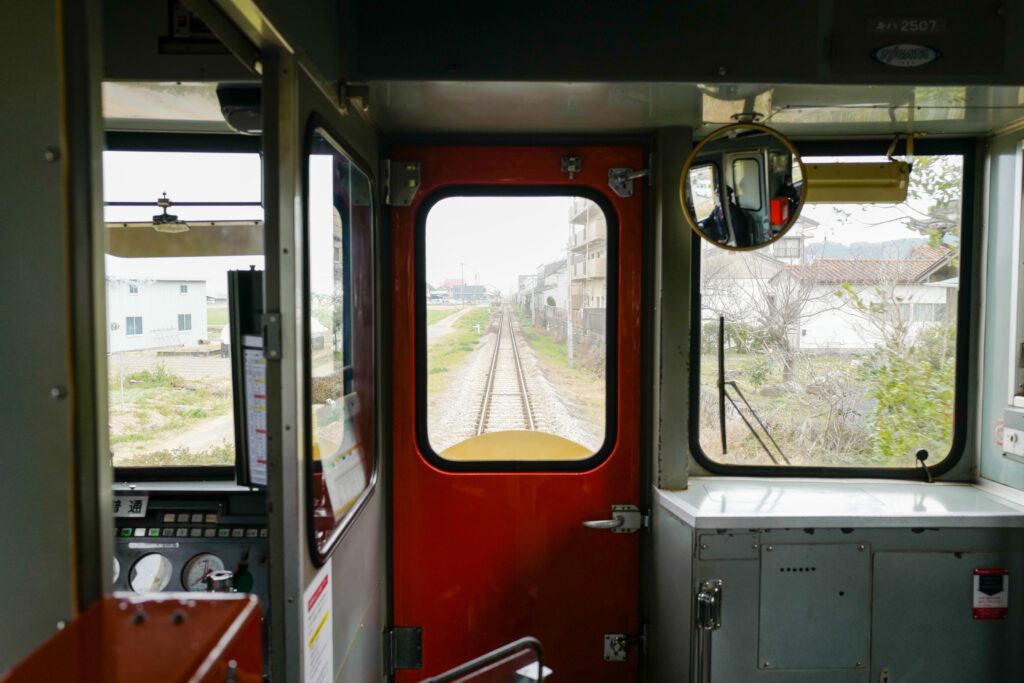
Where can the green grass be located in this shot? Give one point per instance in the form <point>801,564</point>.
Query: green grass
<point>224,454</point>
<point>156,404</point>
<point>449,353</point>
<point>216,315</point>
<point>433,315</point>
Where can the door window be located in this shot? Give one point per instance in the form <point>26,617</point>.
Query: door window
<point>516,317</point>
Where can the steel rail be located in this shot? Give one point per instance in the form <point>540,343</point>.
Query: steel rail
<point>522,379</point>
<point>485,405</point>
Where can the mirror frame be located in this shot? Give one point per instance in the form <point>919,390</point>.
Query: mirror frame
<point>711,137</point>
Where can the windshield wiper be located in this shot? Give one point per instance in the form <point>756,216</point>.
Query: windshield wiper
<point>723,395</point>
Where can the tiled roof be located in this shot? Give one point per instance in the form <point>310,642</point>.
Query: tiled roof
<point>932,254</point>
<point>867,271</point>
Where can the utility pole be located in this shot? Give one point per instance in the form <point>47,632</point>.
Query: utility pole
<point>568,295</point>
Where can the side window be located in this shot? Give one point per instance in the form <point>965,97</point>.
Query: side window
<point>838,346</point>
<point>701,187</point>
<point>170,392</point>
<point>516,321</point>
<point>339,340</point>
<point>745,175</point>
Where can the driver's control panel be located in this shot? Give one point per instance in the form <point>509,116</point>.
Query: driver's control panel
<point>190,540</point>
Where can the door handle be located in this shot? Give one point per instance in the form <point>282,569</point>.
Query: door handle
<point>604,523</point>
<point>626,519</point>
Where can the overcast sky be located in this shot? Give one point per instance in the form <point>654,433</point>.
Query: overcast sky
<point>493,240</point>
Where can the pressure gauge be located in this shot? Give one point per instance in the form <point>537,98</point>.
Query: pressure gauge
<point>117,571</point>
<point>193,576</point>
<point>150,573</point>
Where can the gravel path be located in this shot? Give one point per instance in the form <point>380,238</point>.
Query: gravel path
<point>452,417</point>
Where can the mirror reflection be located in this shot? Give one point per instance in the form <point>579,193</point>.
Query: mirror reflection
<point>742,186</point>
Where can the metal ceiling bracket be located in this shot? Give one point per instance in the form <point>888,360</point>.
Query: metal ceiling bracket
<point>621,180</point>
<point>571,164</point>
<point>401,182</point>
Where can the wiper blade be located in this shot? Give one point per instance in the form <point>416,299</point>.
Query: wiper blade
<point>723,395</point>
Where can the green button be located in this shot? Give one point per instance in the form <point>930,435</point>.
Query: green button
<point>223,533</point>
<point>154,532</point>
<point>126,532</point>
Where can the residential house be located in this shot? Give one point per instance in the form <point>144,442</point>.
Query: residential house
<point>146,314</point>
<point>588,253</point>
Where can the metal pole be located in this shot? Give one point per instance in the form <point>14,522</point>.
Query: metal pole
<point>568,302</point>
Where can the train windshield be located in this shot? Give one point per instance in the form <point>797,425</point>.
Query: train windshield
<point>176,224</point>
<point>836,346</point>
<point>517,302</point>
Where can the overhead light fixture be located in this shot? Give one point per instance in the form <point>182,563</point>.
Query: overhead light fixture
<point>165,222</point>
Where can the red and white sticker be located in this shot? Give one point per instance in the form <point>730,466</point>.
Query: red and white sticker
<point>991,593</point>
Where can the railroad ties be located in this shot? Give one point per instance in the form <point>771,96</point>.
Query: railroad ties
<point>506,402</point>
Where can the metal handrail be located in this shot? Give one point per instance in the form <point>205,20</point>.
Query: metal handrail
<point>491,657</point>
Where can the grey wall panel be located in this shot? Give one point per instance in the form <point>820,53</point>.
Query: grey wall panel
<point>133,31</point>
<point>37,540</point>
<point>671,598</point>
<point>1000,300</point>
<point>699,40</point>
<point>923,630</point>
<point>359,573</point>
<point>815,601</point>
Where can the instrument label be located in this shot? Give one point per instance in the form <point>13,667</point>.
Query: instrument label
<point>130,506</point>
<point>991,593</point>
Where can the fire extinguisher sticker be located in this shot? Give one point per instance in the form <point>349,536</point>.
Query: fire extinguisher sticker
<point>991,593</point>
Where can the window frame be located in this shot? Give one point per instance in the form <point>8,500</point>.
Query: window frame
<point>321,554</point>
<point>124,141</point>
<point>970,227</point>
<point>135,328</point>
<point>759,174</point>
<point>611,338</point>
<point>716,185</point>
<point>185,318</point>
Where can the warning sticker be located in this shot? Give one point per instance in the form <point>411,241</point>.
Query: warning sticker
<point>991,593</point>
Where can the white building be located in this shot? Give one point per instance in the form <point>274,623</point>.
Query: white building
<point>146,314</point>
<point>751,286</point>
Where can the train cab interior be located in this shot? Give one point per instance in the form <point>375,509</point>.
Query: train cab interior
<point>372,341</point>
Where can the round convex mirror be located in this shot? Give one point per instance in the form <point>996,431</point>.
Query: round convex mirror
<point>742,186</point>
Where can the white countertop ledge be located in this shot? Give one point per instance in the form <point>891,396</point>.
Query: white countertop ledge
<point>747,503</point>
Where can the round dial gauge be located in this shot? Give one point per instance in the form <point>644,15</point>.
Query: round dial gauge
<point>117,571</point>
<point>150,573</point>
<point>193,576</point>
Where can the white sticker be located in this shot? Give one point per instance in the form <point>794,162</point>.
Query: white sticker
<point>991,593</point>
<point>318,640</point>
<point>344,472</point>
<point>130,506</point>
<point>256,414</point>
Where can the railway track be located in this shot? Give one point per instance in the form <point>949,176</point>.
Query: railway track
<point>506,401</point>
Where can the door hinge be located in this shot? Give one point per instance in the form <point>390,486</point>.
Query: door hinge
<point>403,648</point>
<point>621,180</point>
<point>401,181</point>
<point>615,644</point>
<point>272,335</point>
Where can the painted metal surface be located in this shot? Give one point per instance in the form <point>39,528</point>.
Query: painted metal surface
<point>126,637</point>
<point>481,559</point>
<point>720,503</point>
